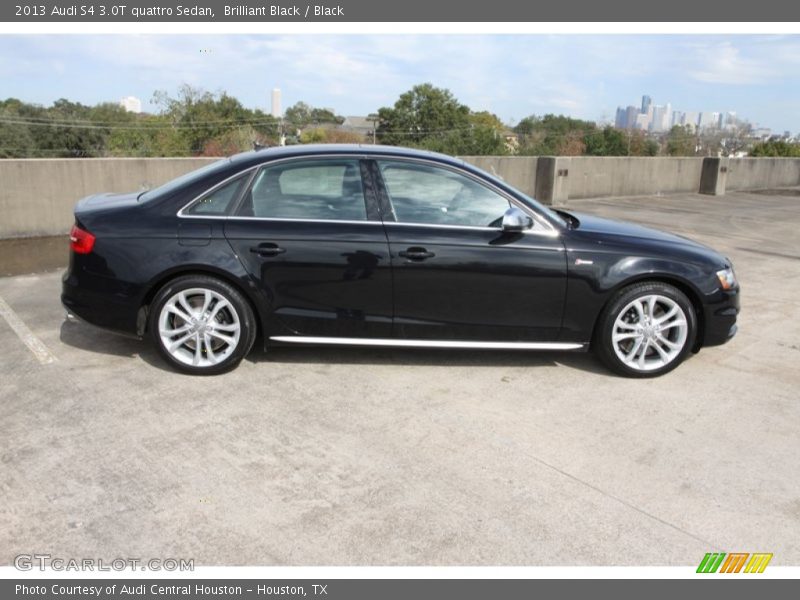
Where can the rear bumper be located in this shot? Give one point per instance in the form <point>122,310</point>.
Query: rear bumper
<point>720,318</point>
<point>99,307</point>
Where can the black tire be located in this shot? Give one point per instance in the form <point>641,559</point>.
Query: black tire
<point>652,349</point>
<point>236,314</point>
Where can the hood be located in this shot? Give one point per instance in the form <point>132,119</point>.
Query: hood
<point>599,225</point>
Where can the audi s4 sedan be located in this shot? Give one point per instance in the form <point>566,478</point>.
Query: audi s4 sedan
<point>385,246</point>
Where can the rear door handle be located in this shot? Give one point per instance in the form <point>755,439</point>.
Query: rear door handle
<point>268,249</point>
<point>416,253</point>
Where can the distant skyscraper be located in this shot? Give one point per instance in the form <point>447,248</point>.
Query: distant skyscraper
<point>620,120</point>
<point>276,103</point>
<point>630,117</point>
<point>647,101</point>
<point>131,104</point>
<point>661,117</point>
<point>708,120</point>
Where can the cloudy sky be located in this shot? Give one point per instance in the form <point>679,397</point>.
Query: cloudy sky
<point>584,76</point>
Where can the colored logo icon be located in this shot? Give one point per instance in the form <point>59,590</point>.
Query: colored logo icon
<point>734,562</point>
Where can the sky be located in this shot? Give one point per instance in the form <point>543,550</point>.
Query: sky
<point>583,76</point>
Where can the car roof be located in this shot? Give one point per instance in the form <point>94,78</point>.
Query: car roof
<point>254,157</point>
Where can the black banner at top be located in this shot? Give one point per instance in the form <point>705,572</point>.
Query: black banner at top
<point>398,11</point>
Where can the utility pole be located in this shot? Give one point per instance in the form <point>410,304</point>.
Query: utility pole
<point>373,118</point>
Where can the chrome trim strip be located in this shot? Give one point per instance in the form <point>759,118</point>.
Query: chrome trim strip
<point>428,343</point>
<point>549,233</point>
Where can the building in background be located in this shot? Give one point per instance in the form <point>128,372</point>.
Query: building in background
<point>275,110</point>
<point>647,102</point>
<point>131,104</point>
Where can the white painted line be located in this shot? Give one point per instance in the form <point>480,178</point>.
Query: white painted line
<point>34,344</point>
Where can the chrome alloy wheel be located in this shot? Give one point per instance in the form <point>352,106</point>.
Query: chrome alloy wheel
<point>199,327</point>
<point>650,332</point>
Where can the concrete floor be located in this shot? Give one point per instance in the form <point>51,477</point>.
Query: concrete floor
<point>377,457</point>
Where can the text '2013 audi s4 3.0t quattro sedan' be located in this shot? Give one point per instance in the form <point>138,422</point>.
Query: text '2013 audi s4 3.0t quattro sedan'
<point>385,246</point>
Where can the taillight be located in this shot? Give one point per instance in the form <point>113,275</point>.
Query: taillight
<point>80,241</point>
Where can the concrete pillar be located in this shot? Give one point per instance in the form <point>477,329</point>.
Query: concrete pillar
<point>552,180</point>
<point>714,176</point>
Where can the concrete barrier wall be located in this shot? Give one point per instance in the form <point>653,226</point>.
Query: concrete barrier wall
<point>755,173</point>
<point>519,171</point>
<point>37,195</point>
<point>597,176</point>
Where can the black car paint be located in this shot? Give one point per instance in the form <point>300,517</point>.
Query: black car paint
<point>349,280</point>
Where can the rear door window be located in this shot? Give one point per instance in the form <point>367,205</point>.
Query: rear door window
<point>314,189</point>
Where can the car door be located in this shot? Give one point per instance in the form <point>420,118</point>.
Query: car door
<point>308,232</point>
<point>457,274</point>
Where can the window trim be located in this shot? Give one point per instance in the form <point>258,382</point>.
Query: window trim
<point>548,230</point>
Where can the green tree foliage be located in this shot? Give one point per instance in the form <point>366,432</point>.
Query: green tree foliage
<point>302,115</point>
<point>432,118</point>
<point>681,141</point>
<point>202,118</point>
<point>776,148</point>
<point>194,122</point>
<point>607,142</point>
<point>553,135</point>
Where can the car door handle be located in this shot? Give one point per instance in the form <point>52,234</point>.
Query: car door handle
<point>416,253</point>
<point>267,250</point>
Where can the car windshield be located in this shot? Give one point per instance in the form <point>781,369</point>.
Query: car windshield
<point>188,178</point>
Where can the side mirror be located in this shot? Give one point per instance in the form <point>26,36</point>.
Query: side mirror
<point>514,220</point>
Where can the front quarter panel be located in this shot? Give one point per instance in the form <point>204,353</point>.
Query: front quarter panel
<point>598,266</point>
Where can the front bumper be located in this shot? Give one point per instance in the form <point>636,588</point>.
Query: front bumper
<point>719,318</point>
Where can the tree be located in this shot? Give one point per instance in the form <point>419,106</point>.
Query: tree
<point>681,141</point>
<point>553,135</point>
<point>422,116</point>
<point>776,148</point>
<point>606,142</point>
<point>200,116</point>
<point>641,145</point>
<point>301,115</point>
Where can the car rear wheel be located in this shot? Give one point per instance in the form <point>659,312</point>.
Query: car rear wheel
<point>201,325</point>
<point>647,330</point>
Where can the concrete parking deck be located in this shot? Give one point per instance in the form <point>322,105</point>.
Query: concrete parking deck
<point>355,457</point>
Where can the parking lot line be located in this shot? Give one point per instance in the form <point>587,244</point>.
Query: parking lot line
<point>34,344</point>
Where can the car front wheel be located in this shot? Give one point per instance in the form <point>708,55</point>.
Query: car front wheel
<point>201,325</point>
<point>647,330</point>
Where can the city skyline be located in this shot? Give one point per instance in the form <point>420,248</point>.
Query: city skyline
<point>582,76</point>
<point>659,118</point>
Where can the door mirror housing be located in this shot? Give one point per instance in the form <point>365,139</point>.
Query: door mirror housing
<point>514,220</point>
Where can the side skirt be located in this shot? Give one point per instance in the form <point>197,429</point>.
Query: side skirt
<point>292,339</point>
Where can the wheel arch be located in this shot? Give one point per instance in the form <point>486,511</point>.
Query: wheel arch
<point>163,278</point>
<point>684,285</point>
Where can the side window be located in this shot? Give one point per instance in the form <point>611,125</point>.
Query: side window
<point>322,189</point>
<point>438,196</point>
<point>218,201</point>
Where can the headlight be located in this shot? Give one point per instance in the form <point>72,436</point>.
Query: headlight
<point>727,278</point>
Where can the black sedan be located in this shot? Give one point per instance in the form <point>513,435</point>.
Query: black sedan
<point>385,246</point>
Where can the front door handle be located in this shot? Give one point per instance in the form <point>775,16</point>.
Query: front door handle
<point>416,253</point>
<point>267,249</point>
